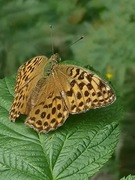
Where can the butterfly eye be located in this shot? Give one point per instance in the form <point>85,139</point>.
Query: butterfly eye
<point>58,57</point>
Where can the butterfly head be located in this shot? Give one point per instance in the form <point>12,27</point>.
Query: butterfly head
<point>55,58</point>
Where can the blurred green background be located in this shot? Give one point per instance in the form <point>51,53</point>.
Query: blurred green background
<point>108,46</point>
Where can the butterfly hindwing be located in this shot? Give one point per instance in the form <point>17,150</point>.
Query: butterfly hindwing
<point>50,110</point>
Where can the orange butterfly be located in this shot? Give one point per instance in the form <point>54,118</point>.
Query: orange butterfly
<point>47,92</point>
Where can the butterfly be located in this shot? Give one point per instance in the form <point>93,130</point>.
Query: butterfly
<point>47,92</point>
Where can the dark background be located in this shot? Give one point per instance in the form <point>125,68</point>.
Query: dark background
<point>108,46</point>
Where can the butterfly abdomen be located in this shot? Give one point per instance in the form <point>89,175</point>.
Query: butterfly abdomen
<point>36,92</point>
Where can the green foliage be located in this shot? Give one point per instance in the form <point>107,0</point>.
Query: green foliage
<point>111,42</point>
<point>25,30</point>
<point>76,150</point>
<point>108,46</point>
<point>128,178</point>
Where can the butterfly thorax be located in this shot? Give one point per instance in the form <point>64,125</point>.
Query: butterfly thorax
<point>54,59</point>
<point>48,70</point>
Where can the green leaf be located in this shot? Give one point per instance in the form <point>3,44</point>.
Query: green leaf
<point>77,150</point>
<point>130,177</point>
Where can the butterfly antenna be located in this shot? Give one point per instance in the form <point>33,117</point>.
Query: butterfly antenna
<point>80,38</point>
<point>52,43</point>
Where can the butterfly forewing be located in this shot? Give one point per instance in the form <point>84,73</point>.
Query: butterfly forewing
<point>83,89</point>
<point>27,77</point>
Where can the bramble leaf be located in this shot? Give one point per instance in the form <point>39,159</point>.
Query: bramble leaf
<point>77,150</point>
<point>130,177</point>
